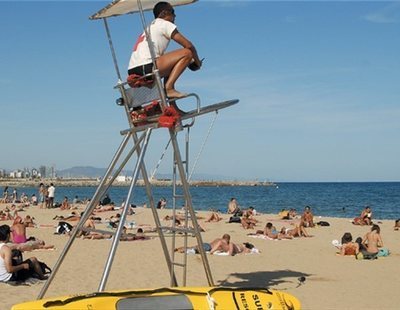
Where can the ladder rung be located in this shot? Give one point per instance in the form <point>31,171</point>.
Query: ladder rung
<point>178,264</point>
<point>178,196</point>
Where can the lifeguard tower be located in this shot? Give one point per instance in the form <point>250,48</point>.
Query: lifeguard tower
<point>147,109</point>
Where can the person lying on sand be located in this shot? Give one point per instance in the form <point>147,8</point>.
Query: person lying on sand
<point>297,231</point>
<point>206,246</point>
<point>73,216</point>
<point>397,224</point>
<point>213,217</point>
<point>30,246</point>
<point>271,232</point>
<point>93,235</point>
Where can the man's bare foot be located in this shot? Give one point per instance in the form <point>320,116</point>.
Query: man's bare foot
<point>172,93</point>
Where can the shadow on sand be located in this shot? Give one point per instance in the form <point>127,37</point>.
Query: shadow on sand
<point>285,279</point>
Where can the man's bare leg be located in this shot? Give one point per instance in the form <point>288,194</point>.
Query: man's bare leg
<point>171,65</point>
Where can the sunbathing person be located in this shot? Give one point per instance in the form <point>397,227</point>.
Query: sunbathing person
<point>73,216</point>
<point>307,219</point>
<point>30,246</point>
<point>89,224</point>
<point>18,231</point>
<point>223,245</point>
<point>94,235</point>
<point>102,208</point>
<point>287,214</point>
<point>206,246</point>
<point>348,246</point>
<point>20,272</point>
<point>298,231</point>
<point>214,217</point>
<point>271,232</point>
<point>244,248</point>
<point>65,204</point>
<point>233,208</point>
<point>28,221</point>
<point>247,220</point>
<point>397,224</point>
<point>373,240</point>
<point>365,218</point>
<point>180,221</point>
<point>6,215</point>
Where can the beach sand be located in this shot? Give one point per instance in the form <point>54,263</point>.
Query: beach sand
<point>332,281</point>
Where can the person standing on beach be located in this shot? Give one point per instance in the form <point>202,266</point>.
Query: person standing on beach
<point>5,194</point>
<point>170,65</point>
<point>42,194</point>
<point>14,195</point>
<point>51,193</point>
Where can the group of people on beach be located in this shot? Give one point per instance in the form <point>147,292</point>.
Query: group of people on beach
<point>368,247</point>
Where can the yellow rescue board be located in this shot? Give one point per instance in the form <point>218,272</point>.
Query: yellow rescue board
<point>172,298</point>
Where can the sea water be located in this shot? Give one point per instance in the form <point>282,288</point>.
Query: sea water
<point>326,199</point>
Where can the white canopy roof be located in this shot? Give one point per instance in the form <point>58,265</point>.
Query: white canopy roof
<point>121,7</point>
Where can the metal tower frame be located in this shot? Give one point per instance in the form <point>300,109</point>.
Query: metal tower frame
<point>140,135</point>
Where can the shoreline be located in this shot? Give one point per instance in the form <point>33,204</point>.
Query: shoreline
<point>87,182</point>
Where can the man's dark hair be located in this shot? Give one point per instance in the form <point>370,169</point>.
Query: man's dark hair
<point>4,232</point>
<point>159,7</point>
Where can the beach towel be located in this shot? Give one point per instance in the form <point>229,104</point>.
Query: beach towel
<point>383,252</point>
<point>258,236</point>
<point>221,253</point>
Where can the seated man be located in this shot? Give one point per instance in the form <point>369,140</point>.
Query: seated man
<point>20,272</point>
<point>247,220</point>
<point>307,219</point>
<point>170,65</point>
<point>233,208</point>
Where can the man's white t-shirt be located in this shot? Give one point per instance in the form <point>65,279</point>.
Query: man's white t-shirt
<point>51,191</point>
<point>160,33</point>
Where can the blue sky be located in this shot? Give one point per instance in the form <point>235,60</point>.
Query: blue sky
<point>318,84</point>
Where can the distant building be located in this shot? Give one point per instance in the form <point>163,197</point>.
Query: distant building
<point>42,171</point>
<point>35,173</point>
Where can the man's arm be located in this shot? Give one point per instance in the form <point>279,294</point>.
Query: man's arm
<point>215,247</point>
<point>8,262</point>
<point>180,39</point>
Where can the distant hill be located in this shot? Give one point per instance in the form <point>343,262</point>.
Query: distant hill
<point>81,172</point>
<point>93,172</point>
